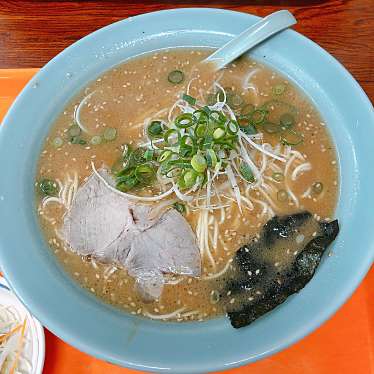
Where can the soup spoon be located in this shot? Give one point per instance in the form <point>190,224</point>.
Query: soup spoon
<point>249,38</point>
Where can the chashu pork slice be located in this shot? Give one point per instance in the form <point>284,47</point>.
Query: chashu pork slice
<point>169,246</point>
<point>113,229</point>
<point>98,222</point>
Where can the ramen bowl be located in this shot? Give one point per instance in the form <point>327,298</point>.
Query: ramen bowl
<point>194,347</point>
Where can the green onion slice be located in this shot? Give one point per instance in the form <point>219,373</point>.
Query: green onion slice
<point>155,129</point>
<point>144,173</point>
<point>279,89</point>
<point>200,116</point>
<point>181,208</point>
<point>199,163</point>
<point>278,177</point>
<point>96,140</point>
<point>110,134</point>
<point>291,137</point>
<point>189,178</point>
<point>200,130</point>
<point>217,117</point>
<point>48,187</point>
<point>187,140</point>
<point>184,121</point>
<point>211,157</point>
<point>219,133</point>
<point>246,172</point>
<point>282,196</point>
<point>165,155</point>
<point>171,137</point>
<point>57,142</point>
<point>232,127</point>
<point>286,120</point>
<point>190,100</point>
<point>176,77</point>
<point>149,154</point>
<point>258,116</point>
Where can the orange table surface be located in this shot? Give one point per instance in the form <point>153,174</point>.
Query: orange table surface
<point>344,344</point>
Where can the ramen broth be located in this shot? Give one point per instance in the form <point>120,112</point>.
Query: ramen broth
<point>129,96</point>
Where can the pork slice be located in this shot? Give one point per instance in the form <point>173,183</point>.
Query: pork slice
<point>113,229</point>
<point>169,246</point>
<point>98,222</point>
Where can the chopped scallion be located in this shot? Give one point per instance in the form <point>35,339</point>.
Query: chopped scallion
<point>181,208</point>
<point>232,127</point>
<point>184,121</point>
<point>190,100</point>
<point>96,140</point>
<point>171,137</point>
<point>149,154</point>
<point>48,187</point>
<point>154,130</point>
<point>176,77</point>
<point>286,120</point>
<point>246,172</point>
<point>279,89</point>
<point>291,137</point>
<point>189,178</point>
<point>164,156</point>
<point>218,133</point>
<point>258,116</point>
<point>282,196</point>
<point>57,142</point>
<point>110,134</point>
<point>198,162</point>
<point>144,173</point>
<point>211,158</point>
<point>278,177</point>
<point>201,129</point>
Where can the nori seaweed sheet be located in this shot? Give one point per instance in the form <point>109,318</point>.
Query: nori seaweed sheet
<point>260,285</point>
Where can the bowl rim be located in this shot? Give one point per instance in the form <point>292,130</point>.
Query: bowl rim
<point>50,321</point>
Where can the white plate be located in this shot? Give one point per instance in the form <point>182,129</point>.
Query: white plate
<point>34,348</point>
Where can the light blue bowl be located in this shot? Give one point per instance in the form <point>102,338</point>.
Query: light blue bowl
<point>93,327</point>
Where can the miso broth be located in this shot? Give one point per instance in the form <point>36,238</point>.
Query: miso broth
<point>116,108</point>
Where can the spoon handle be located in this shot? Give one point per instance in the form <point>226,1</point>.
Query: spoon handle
<point>252,36</point>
